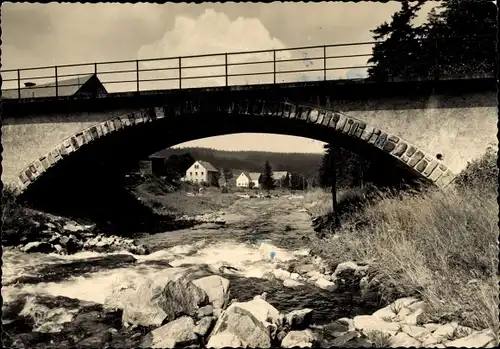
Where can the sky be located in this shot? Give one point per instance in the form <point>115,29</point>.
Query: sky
<point>53,34</point>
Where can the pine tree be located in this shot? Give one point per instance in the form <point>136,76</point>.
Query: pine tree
<point>395,55</point>
<point>286,181</point>
<point>457,39</point>
<point>267,179</point>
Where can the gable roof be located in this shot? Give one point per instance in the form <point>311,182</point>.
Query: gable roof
<point>68,87</point>
<point>279,174</point>
<point>254,176</point>
<point>208,166</point>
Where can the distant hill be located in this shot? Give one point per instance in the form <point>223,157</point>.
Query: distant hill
<point>304,163</point>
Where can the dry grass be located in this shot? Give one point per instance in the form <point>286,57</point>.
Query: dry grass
<point>441,245</point>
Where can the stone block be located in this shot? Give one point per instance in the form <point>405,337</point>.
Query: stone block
<point>313,115</point>
<point>360,129</point>
<point>117,122</point>
<point>421,165</point>
<point>445,179</point>
<point>45,162</point>
<point>93,132</point>
<point>159,112</point>
<point>293,111</point>
<point>389,146</point>
<point>367,132</point>
<point>411,150</point>
<point>434,176</point>
<point>341,122</point>
<point>374,136</point>
<point>379,143</point>
<point>305,113</point>
<point>332,119</point>
<point>348,125</point>
<point>74,143</point>
<point>430,167</point>
<point>321,116</point>
<point>400,149</point>
<point>415,158</point>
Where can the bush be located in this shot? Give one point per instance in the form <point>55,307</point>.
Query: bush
<point>481,173</point>
<point>18,222</point>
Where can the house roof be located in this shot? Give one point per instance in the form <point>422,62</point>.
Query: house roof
<point>68,87</point>
<point>279,174</point>
<point>254,175</point>
<point>208,166</point>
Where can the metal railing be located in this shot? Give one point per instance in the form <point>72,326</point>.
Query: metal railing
<point>143,74</point>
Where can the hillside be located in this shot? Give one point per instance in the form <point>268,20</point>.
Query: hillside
<point>306,164</point>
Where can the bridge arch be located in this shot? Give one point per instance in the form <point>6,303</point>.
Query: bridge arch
<point>140,133</point>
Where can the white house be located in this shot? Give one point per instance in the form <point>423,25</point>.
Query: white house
<point>245,178</point>
<point>202,171</point>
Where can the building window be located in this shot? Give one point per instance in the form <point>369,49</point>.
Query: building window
<point>196,173</point>
<point>202,173</point>
<point>190,173</point>
<point>196,167</point>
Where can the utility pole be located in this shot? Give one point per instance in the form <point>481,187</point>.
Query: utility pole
<point>333,172</point>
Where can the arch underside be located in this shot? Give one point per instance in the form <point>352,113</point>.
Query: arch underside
<point>112,144</point>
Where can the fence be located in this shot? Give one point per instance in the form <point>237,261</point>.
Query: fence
<point>312,63</point>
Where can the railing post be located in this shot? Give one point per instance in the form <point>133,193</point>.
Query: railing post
<point>57,85</point>
<point>137,73</point>
<point>180,73</point>
<point>95,68</point>
<point>225,57</point>
<point>274,66</point>
<point>324,63</point>
<point>19,83</point>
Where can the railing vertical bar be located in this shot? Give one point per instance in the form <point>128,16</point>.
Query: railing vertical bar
<point>180,73</point>
<point>95,68</point>
<point>324,63</point>
<point>274,66</point>
<point>225,56</point>
<point>137,74</point>
<point>19,83</point>
<point>57,85</point>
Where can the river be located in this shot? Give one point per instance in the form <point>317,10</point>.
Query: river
<point>241,248</point>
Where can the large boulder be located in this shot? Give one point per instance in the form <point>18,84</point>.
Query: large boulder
<point>299,319</point>
<point>224,339</point>
<point>38,246</point>
<point>204,326</point>
<point>216,287</point>
<point>182,297</point>
<point>253,322</point>
<point>301,339</point>
<point>175,333</point>
<point>162,297</point>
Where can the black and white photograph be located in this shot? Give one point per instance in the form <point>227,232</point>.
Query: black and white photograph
<point>250,174</point>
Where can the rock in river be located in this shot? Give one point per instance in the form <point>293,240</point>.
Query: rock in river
<point>251,322</point>
<point>175,333</point>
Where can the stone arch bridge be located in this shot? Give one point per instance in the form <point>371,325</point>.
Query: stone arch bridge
<point>68,146</point>
<point>139,133</point>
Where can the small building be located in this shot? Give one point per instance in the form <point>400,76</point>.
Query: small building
<point>279,177</point>
<point>202,172</point>
<point>84,85</point>
<point>248,180</point>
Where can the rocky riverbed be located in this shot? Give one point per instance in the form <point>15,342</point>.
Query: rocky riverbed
<point>245,277</point>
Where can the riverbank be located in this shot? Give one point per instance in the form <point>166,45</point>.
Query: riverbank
<point>439,246</point>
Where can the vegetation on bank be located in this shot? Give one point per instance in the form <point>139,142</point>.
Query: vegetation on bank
<point>442,245</point>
